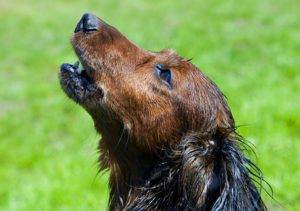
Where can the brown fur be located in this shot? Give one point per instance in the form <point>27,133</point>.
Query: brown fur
<point>167,148</point>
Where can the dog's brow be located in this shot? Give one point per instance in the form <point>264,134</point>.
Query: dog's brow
<point>147,60</point>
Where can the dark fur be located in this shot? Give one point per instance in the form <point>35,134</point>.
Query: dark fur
<point>167,148</point>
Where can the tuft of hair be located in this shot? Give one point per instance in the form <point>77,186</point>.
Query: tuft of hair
<point>204,173</point>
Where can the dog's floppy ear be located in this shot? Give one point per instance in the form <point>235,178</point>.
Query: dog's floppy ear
<point>215,175</point>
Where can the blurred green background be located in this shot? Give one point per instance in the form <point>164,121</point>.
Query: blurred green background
<point>48,145</point>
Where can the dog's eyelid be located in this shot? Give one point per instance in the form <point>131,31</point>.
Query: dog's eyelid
<point>164,74</point>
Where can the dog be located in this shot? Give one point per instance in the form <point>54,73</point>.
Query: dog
<point>169,139</point>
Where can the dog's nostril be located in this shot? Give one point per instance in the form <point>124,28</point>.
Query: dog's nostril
<point>88,23</point>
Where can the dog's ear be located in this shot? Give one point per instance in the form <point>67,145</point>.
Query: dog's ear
<point>215,175</point>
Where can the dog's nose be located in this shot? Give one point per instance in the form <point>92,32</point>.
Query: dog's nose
<point>88,23</point>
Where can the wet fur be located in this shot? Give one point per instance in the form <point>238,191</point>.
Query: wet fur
<point>165,148</point>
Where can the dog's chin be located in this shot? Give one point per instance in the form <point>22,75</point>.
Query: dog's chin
<point>78,84</point>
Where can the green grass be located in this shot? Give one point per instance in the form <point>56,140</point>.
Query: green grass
<point>48,144</point>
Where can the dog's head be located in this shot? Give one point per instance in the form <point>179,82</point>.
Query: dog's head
<point>156,96</point>
<point>160,100</point>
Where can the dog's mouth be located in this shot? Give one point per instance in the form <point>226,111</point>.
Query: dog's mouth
<point>77,72</point>
<point>77,82</point>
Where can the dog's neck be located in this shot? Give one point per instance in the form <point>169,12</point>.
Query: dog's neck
<point>129,166</point>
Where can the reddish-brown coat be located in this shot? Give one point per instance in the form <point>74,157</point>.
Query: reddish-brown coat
<point>144,123</point>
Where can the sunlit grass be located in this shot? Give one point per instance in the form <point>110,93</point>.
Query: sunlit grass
<point>48,144</point>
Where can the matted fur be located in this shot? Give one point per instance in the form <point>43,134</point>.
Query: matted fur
<point>166,147</point>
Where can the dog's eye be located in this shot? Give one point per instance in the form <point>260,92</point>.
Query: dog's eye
<point>164,74</point>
